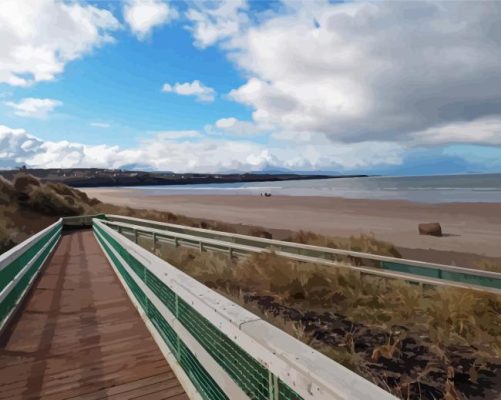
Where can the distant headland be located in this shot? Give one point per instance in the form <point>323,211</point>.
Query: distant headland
<point>98,177</point>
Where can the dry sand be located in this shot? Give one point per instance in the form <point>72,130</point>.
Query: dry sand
<point>468,227</point>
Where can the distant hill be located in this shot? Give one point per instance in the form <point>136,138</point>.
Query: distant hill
<point>96,177</point>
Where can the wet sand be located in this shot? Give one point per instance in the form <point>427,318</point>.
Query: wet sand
<point>468,227</point>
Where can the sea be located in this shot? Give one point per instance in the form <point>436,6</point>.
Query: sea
<point>426,189</point>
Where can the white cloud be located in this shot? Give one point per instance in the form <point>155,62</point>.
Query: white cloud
<point>100,124</point>
<point>235,126</point>
<point>202,93</point>
<point>40,36</point>
<point>481,131</point>
<point>16,146</point>
<point>213,21</point>
<point>369,71</point>
<point>176,151</point>
<point>34,108</point>
<point>144,15</point>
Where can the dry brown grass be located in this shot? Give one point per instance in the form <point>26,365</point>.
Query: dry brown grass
<point>44,200</point>
<point>7,192</point>
<point>488,265</point>
<point>363,243</point>
<point>6,241</point>
<point>451,315</point>
<point>28,205</point>
<point>23,183</point>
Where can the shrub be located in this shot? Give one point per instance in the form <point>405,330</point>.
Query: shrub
<point>24,182</point>
<point>47,202</point>
<point>6,241</point>
<point>61,189</point>
<point>7,191</point>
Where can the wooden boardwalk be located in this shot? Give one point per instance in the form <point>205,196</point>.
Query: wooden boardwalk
<point>78,336</point>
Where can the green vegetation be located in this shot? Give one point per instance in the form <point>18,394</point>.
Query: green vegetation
<point>418,343</point>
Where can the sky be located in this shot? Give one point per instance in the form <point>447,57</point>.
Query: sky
<point>373,87</point>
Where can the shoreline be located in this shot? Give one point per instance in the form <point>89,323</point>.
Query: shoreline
<point>473,228</point>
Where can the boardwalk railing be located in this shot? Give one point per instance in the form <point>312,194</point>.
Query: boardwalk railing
<point>19,267</point>
<point>390,267</point>
<point>81,221</point>
<point>217,348</point>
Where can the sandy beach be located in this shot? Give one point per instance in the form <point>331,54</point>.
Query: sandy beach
<point>468,227</point>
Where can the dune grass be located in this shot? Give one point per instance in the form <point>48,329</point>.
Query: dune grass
<point>363,243</point>
<point>28,205</point>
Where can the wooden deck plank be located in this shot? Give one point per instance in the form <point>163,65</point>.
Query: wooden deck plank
<point>79,336</point>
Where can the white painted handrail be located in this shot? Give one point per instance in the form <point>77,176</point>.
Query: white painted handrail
<point>306,371</point>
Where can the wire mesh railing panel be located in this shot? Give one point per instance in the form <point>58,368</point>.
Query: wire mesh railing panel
<point>286,393</point>
<point>201,379</point>
<point>166,295</point>
<point>9,271</point>
<point>168,334</point>
<point>17,274</point>
<point>251,376</point>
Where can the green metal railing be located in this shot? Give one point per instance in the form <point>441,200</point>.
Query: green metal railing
<point>370,264</point>
<point>206,334</point>
<point>81,221</point>
<point>19,267</point>
<point>252,377</point>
